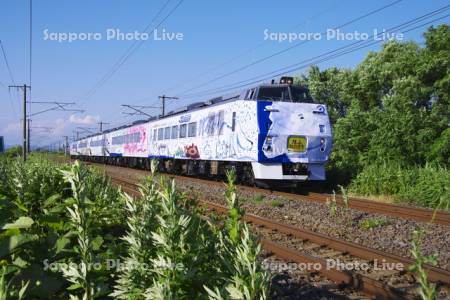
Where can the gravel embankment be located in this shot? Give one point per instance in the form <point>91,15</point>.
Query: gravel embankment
<point>393,235</point>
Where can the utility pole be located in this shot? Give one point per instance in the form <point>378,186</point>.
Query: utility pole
<point>28,136</point>
<point>24,89</point>
<point>101,126</point>
<point>66,145</point>
<point>163,98</point>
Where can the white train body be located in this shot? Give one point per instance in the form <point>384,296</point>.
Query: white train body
<point>280,140</point>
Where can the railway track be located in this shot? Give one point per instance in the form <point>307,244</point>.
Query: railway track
<point>369,206</point>
<point>394,210</point>
<point>320,248</point>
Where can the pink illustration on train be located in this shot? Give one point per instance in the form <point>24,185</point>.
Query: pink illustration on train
<point>137,140</point>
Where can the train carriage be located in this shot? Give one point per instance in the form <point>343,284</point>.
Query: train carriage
<point>268,133</point>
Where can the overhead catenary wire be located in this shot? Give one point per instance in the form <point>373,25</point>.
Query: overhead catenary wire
<point>315,62</point>
<point>241,54</point>
<point>307,62</point>
<point>5,57</point>
<point>370,13</point>
<point>372,42</point>
<point>7,63</point>
<point>356,19</point>
<point>131,50</point>
<point>340,52</point>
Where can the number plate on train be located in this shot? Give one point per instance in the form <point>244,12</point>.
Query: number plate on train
<point>296,144</point>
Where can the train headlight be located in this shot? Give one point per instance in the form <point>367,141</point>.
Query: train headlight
<point>286,80</point>
<point>322,144</point>
<point>268,144</point>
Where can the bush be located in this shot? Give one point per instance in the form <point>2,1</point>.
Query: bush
<point>13,151</point>
<point>427,186</point>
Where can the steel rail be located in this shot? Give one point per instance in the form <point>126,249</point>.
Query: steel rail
<point>351,279</point>
<point>394,210</point>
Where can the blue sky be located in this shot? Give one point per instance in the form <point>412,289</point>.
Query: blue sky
<point>218,37</point>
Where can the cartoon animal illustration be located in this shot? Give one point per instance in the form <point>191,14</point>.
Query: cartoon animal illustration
<point>191,151</point>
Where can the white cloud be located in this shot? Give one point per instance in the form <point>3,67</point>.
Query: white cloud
<point>60,126</point>
<point>86,120</point>
<point>14,127</point>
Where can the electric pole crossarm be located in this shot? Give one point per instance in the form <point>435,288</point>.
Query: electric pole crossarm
<point>88,130</point>
<point>59,106</point>
<point>51,102</point>
<point>137,109</point>
<point>57,109</point>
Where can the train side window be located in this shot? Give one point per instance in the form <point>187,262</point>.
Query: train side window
<point>174,132</point>
<point>233,122</point>
<point>250,94</point>
<point>154,134</point>
<point>160,134</point>
<point>183,131</point>
<point>192,129</point>
<point>167,133</point>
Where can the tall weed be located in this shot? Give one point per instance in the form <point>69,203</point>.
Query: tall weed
<point>424,186</point>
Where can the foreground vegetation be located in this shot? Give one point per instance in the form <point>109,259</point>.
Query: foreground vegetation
<point>66,232</point>
<point>390,120</point>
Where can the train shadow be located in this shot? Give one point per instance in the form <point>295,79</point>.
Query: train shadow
<point>286,287</point>
<point>306,188</point>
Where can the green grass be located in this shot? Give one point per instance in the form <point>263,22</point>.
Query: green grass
<point>71,217</point>
<point>427,186</point>
<point>373,223</point>
<point>258,198</point>
<point>275,203</point>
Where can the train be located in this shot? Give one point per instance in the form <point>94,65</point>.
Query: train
<point>270,134</point>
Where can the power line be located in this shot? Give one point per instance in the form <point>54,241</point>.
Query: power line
<point>11,77</point>
<point>59,106</point>
<point>243,53</point>
<point>12,104</point>
<point>7,63</point>
<point>317,59</point>
<point>137,110</point>
<point>314,62</point>
<point>350,50</point>
<point>370,13</point>
<point>298,44</point>
<point>130,51</point>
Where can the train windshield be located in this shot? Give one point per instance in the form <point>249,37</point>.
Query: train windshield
<point>300,94</point>
<point>297,94</point>
<point>274,94</point>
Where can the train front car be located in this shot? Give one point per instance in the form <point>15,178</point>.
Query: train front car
<point>294,140</point>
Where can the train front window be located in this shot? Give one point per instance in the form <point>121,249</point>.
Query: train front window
<point>300,94</point>
<point>274,94</point>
